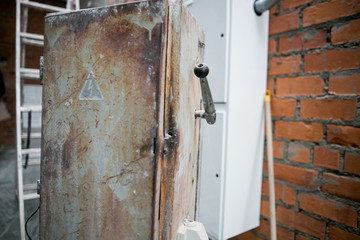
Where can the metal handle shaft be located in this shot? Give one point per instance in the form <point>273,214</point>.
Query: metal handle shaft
<point>201,71</point>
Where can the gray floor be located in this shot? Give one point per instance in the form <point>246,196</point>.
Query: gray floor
<point>9,211</point>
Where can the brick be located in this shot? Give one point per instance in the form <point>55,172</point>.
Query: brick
<point>273,10</point>
<point>283,193</point>
<point>283,107</point>
<point>343,33</point>
<point>284,23</point>
<point>331,10</point>
<point>343,135</point>
<point>265,167</point>
<point>305,131</point>
<point>331,209</point>
<point>285,234</point>
<point>271,86</point>
<point>289,195</point>
<point>352,163</point>
<point>341,59</point>
<point>265,208</point>
<point>303,41</point>
<point>338,234</point>
<point>298,153</point>
<point>332,60</point>
<point>314,62</point>
<point>295,175</point>
<point>300,237</point>
<point>330,109</point>
<point>278,190</point>
<point>344,85</point>
<point>246,236</point>
<point>278,147</point>
<point>282,233</point>
<point>326,157</point>
<point>301,222</point>
<point>345,187</point>
<point>284,65</point>
<point>297,86</point>
<point>291,4</point>
<point>271,46</point>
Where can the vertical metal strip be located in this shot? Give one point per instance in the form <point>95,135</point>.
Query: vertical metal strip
<point>77,4</point>
<point>68,4</point>
<point>19,175</point>
<point>164,171</point>
<point>24,13</point>
<point>161,127</point>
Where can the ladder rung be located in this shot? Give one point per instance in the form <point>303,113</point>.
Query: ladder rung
<point>31,151</point>
<point>32,42</point>
<point>32,36</point>
<point>33,108</point>
<point>32,162</point>
<point>29,196</point>
<point>30,73</point>
<point>30,187</point>
<point>32,135</point>
<point>43,6</point>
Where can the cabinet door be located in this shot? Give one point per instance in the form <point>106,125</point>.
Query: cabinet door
<point>120,145</point>
<point>179,170</point>
<point>100,119</point>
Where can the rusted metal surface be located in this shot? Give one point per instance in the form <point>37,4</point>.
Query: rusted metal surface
<point>120,141</point>
<point>100,122</point>
<point>183,96</point>
<point>100,3</point>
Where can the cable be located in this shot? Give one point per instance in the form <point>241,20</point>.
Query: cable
<point>27,234</point>
<point>28,139</point>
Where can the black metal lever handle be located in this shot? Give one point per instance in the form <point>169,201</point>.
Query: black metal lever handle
<point>201,71</point>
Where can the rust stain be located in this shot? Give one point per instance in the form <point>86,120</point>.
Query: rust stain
<point>182,97</point>
<point>98,161</point>
<point>126,164</point>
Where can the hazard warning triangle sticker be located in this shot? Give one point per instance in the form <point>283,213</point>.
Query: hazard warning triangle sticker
<point>91,90</point>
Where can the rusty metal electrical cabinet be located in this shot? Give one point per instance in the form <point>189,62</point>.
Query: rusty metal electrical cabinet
<point>120,146</point>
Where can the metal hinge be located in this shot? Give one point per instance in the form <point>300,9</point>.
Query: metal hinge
<point>41,70</point>
<point>168,142</point>
<point>38,187</point>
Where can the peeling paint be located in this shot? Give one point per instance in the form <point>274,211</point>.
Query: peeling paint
<point>53,36</point>
<point>143,21</point>
<point>97,165</point>
<point>120,191</point>
<point>183,93</point>
<point>101,176</point>
<point>68,103</point>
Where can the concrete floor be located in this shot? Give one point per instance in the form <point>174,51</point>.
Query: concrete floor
<point>9,211</point>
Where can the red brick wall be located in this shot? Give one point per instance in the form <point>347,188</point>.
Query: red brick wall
<point>314,77</point>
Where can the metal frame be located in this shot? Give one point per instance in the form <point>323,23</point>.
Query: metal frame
<point>21,40</point>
